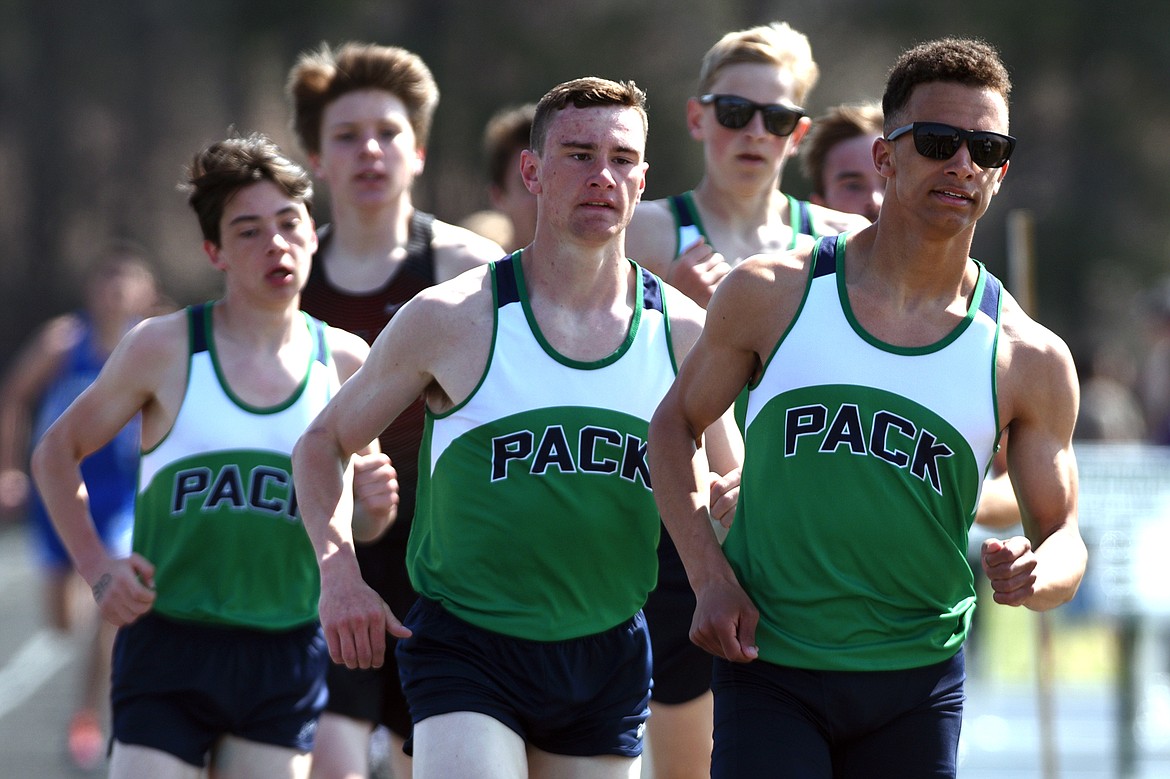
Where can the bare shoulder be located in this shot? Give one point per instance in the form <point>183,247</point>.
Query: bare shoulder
<point>770,274</point>
<point>758,299</point>
<point>448,308</point>
<point>1035,367</point>
<point>150,362</point>
<point>438,343</point>
<point>349,351</point>
<point>651,236</point>
<point>160,339</point>
<point>458,249</point>
<point>828,221</point>
<point>686,319</point>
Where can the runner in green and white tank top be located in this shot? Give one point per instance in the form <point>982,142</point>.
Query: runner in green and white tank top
<point>502,477</point>
<point>218,489</point>
<point>887,576</point>
<point>690,225</point>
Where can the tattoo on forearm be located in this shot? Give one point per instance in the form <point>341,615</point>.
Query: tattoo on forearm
<point>99,589</point>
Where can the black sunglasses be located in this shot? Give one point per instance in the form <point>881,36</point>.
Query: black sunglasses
<point>734,113</point>
<point>940,142</point>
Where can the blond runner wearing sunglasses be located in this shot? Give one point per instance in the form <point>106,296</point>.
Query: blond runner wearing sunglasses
<point>747,114</point>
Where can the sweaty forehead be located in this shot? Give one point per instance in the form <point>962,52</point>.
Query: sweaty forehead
<point>969,107</point>
<point>598,126</point>
<point>260,200</point>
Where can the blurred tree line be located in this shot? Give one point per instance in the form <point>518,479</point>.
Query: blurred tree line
<point>103,103</point>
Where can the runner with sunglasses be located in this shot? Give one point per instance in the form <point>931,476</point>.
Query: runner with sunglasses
<point>747,114</point>
<point>885,367</point>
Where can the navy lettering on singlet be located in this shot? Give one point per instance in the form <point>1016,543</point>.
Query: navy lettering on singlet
<point>592,461</point>
<point>802,421</point>
<point>600,451</point>
<point>227,488</point>
<point>268,490</point>
<point>846,430</point>
<point>892,438</point>
<point>262,479</point>
<point>553,452</point>
<point>926,456</point>
<point>506,448</point>
<point>883,423</point>
<point>188,483</point>
<point>634,464</point>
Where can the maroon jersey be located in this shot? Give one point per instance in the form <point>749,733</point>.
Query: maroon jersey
<point>365,315</point>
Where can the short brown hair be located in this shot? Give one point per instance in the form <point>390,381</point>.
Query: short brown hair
<point>769,44</point>
<point>840,123</point>
<point>223,168</point>
<point>967,61</point>
<point>585,93</point>
<point>321,76</point>
<point>507,132</point>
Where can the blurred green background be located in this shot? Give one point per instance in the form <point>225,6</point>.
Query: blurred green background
<point>102,103</point>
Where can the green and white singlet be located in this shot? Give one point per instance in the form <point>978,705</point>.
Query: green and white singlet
<point>535,516</point>
<point>216,511</point>
<point>861,478</point>
<point>689,228</point>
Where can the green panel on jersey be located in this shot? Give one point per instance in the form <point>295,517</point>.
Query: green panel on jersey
<point>223,531</point>
<point>540,525</point>
<point>874,471</point>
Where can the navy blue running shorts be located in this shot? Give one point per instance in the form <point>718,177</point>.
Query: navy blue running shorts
<point>773,720</point>
<point>375,694</point>
<point>179,686</point>
<point>682,671</point>
<point>581,697</point>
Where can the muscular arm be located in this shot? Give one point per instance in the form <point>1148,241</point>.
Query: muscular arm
<point>151,356</point>
<point>721,441</point>
<point>372,477</point>
<point>355,619</point>
<point>458,249</point>
<point>431,347</point>
<point>739,323</point>
<point>1039,388</point>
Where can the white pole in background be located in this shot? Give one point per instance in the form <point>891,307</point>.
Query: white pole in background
<point>1021,283</point>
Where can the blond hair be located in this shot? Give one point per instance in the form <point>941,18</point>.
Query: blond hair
<point>769,44</point>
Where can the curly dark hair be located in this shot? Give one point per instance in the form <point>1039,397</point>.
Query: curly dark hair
<point>220,170</point>
<point>968,61</point>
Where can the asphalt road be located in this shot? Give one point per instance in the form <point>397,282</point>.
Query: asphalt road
<point>1002,737</point>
